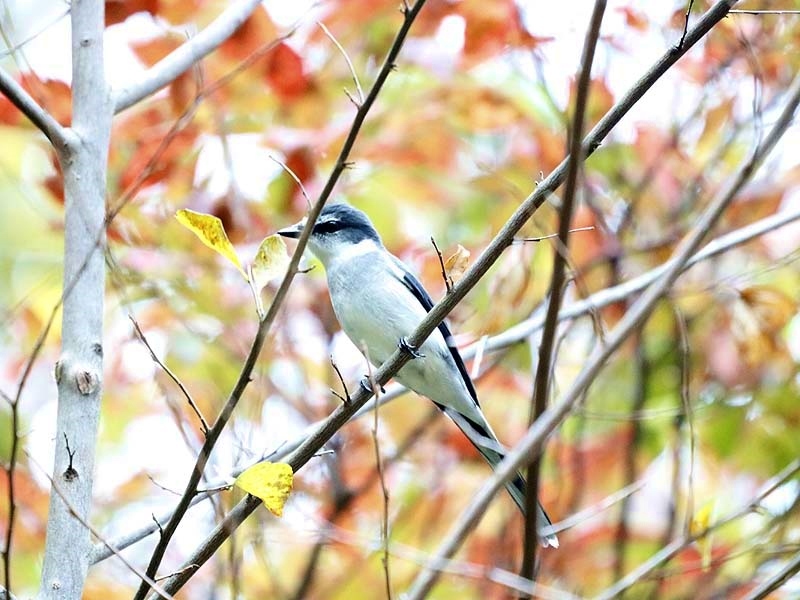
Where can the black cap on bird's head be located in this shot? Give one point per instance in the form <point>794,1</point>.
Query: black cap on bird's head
<point>338,225</point>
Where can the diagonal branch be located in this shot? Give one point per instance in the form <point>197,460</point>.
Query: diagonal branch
<point>532,441</point>
<point>541,384</point>
<point>190,491</point>
<point>179,60</point>
<point>489,256</point>
<point>667,552</point>
<point>511,336</point>
<point>85,523</point>
<point>37,115</point>
<point>170,374</point>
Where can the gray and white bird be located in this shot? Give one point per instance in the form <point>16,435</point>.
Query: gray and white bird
<point>378,303</point>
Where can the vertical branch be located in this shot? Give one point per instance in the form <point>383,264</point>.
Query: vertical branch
<point>249,504</point>
<point>376,390</point>
<point>639,399</point>
<point>685,365</point>
<point>542,379</point>
<point>12,505</point>
<point>80,368</point>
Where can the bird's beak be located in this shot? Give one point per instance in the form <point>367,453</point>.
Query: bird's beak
<point>293,231</point>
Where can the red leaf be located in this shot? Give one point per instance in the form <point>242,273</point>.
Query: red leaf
<point>119,10</point>
<point>9,115</point>
<point>299,161</point>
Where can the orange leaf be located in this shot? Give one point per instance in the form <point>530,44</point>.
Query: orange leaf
<point>284,73</point>
<point>634,18</point>
<point>254,33</point>
<point>771,308</point>
<point>9,115</point>
<point>491,27</point>
<point>152,51</point>
<point>53,95</point>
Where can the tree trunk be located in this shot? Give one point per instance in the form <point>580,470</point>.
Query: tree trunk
<point>79,371</point>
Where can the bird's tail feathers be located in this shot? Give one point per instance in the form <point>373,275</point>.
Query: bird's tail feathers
<point>485,441</point>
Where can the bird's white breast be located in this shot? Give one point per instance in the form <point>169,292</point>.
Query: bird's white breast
<point>376,309</point>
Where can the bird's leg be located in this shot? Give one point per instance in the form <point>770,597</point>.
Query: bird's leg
<point>409,349</point>
<point>367,385</point>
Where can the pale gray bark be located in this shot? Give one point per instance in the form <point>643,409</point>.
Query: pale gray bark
<point>182,58</point>
<point>79,371</point>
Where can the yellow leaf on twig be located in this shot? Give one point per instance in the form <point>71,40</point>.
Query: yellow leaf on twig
<point>698,526</point>
<point>271,261</point>
<point>456,264</point>
<point>211,232</point>
<point>272,482</point>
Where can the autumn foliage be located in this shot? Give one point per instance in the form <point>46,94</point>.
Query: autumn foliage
<point>698,408</point>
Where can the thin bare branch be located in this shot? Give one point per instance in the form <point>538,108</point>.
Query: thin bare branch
<point>642,375</point>
<point>19,45</point>
<point>101,552</point>
<point>309,447</point>
<point>350,66</point>
<point>37,115</point>
<point>764,12</point>
<point>541,383</point>
<point>448,281</point>
<point>686,22</point>
<point>77,515</point>
<point>346,397</point>
<point>170,374</point>
<point>533,440</point>
<point>599,507</point>
<point>625,290</point>
<point>264,326</point>
<point>776,581</point>
<point>685,369</point>
<point>459,568</point>
<point>376,391</point>
<point>522,331</point>
<point>549,236</point>
<point>181,59</point>
<point>667,552</point>
<point>11,497</point>
<point>294,176</point>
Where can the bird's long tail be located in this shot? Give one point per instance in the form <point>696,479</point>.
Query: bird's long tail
<point>485,441</point>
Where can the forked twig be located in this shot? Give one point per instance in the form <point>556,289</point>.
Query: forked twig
<point>171,375</point>
<point>350,66</point>
<point>448,281</point>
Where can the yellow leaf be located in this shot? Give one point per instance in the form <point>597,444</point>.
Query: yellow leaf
<point>457,263</point>
<point>272,482</point>
<point>698,526</point>
<point>211,232</point>
<point>270,262</point>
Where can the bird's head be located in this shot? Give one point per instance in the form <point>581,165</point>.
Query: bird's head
<point>339,231</point>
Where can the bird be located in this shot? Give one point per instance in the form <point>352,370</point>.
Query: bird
<point>378,303</point>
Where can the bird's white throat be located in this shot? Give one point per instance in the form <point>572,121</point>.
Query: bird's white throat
<point>351,251</point>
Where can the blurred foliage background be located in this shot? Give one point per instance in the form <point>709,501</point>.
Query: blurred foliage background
<point>698,410</point>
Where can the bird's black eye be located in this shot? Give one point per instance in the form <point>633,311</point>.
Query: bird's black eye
<point>328,226</point>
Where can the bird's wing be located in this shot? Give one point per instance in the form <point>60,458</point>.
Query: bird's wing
<point>415,287</point>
